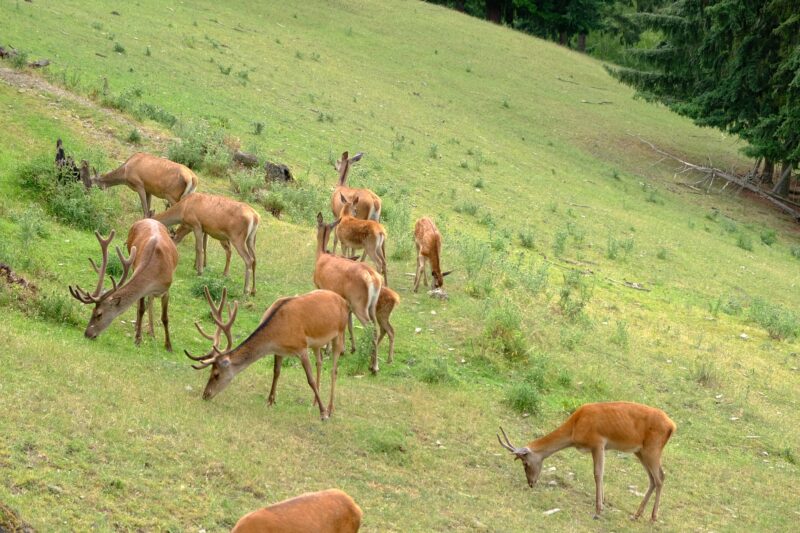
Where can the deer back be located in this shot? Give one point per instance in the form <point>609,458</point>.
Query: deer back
<point>356,282</point>
<point>159,176</point>
<point>368,206</point>
<point>328,511</point>
<point>219,216</point>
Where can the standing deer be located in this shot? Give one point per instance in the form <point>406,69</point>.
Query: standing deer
<point>428,241</point>
<point>367,234</point>
<point>149,176</point>
<point>595,427</point>
<point>224,219</point>
<point>154,259</point>
<point>356,282</point>
<point>288,328</point>
<point>387,301</point>
<point>368,207</point>
<point>326,511</point>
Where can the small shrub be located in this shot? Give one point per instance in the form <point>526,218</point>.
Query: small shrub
<point>20,60</point>
<point>246,182</point>
<point>436,372</point>
<point>147,52</point>
<point>779,322</point>
<point>745,242</point>
<point>526,239</point>
<point>225,70</point>
<point>524,397</point>
<point>505,103</point>
<point>57,307</point>
<point>134,137</point>
<point>486,219</point>
<point>574,295</point>
<point>479,183</point>
<point>706,374</point>
<point>301,199</point>
<point>467,207</point>
<point>32,224</point>
<point>662,253</point>
<point>258,128</point>
<point>615,174</point>
<point>769,237</point>
<point>560,242</point>
<point>214,282</point>
<point>433,151</point>
<point>620,335</point>
<point>118,48</point>
<point>200,144</point>
<point>503,332</point>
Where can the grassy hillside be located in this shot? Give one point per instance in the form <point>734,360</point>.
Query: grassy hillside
<point>525,154</point>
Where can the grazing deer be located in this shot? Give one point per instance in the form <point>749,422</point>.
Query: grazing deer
<point>326,511</point>
<point>387,301</point>
<point>356,282</point>
<point>368,207</point>
<point>150,175</point>
<point>595,427</point>
<point>226,220</point>
<point>429,247</point>
<point>367,234</point>
<point>288,328</point>
<point>154,259</point>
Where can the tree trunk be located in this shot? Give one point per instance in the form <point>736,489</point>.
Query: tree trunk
<point>782,187</point>
<point>767,171</point>
<point>460,6</point>
<point>493,10</point>
<point>582,42</point>
<point>754,172</point>
<point>562,38</point>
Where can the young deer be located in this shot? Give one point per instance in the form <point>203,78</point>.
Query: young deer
<point>224,219</point>
<point>327,511</point>
<point>429,247</point>
<point>387,301</point>
<point>149,176</point>
<point>368,207</point>
<point>154,259</point>
<point>367,234</point>
<point>288,328</point>
<point>356,282</point>
<point>595,427</point>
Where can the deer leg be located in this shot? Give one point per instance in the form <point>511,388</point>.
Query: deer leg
<point>659,481</point>
<point>248,264</point>
<point>390,331</point>
<point>373,317</point>
<point>318,355</point>
<point>165,320</point>
<point>250,243</point>
<point>420,271</point>
<point>643,460</point>
<point>350,329</point>
<point>226,245</point>
<point>598,454</point>
<point>198,249</point>
<point>205,249</point>
<point>145,198</point>
<point>310,377</point>
<point>335,242</point>
<point>276,373</point>
<point>137,339</point>
<point>336,350</point>
<point>150,327</point>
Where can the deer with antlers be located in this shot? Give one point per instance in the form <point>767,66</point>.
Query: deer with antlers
<point>368,206</point>
<point>355,233</point>
<point>288,328</point>
<point>224,219</point>
<point>356,282</point>
<point>154,258</point>
<point>326,511</point>
<point>596,427</point>
<point>149,175</point>
<point>428,241</point>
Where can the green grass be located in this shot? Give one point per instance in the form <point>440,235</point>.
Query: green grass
<point>106,435</point>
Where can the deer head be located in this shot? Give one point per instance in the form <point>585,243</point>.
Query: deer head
<point>324,232</point>
<point>438,279</point>
<point>343,165</point>
<point>531,460</point>
<point>107,305</point>
<point>221,372</point>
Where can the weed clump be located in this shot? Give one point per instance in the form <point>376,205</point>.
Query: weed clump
<point>436,372</point>
<point>200,145</point>
<point>779,322</point>
<point>574,295</point>
<point>503,332</point>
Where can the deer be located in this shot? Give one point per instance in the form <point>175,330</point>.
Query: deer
<point>428,241</point>
<point>154,258</point>
<point>149,176</point>
<point>289,327</point>
<point>356,233</point>
<point>224,219</point>
<point>387,300</point>
<point>356,282</point>
<point>594,427</point>
<point>326,511</point>
<point>369,206</point>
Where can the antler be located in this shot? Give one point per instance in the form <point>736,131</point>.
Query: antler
<point>84,296</point>
<point>222,327</point>
<point>510,447</point>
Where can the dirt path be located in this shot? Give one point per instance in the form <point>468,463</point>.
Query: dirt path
<point>106,133</point>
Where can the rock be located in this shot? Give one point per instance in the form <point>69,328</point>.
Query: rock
<point>551,511</point>
<point>245,159</point>
<point>278,172</point>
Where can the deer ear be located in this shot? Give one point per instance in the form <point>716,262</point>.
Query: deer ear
<point>447,273</point>
<point>319,219</point>
<point>355,200</point>
<point>343,198</point>
<point>357,157</point>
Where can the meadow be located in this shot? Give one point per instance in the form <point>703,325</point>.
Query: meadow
<point>554,215</point>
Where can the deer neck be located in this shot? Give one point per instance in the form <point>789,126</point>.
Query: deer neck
<point>553,442</point>
<point>171,216</point>
<point>258,344</point>
<point>343,173</point>
<point>115,177</point>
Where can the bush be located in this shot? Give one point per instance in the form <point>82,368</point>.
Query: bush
<point>302,200</point>
<point>524,397</point>
<point>246,183</point>
<point>436,372</point>
<point>201,145</point>
<point>69,202</point>
<point>620,335</point>
<point>745,242</point>
<point>134,137</point>
<point>467,207</point>
<point>560,242</point>
<point>526,239</point>
<point>769,237</point>
<point>214,282</point>
<point>503,332</point>
<point>779,322</point>
<point>20,60</point>
<point>574,295</point>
